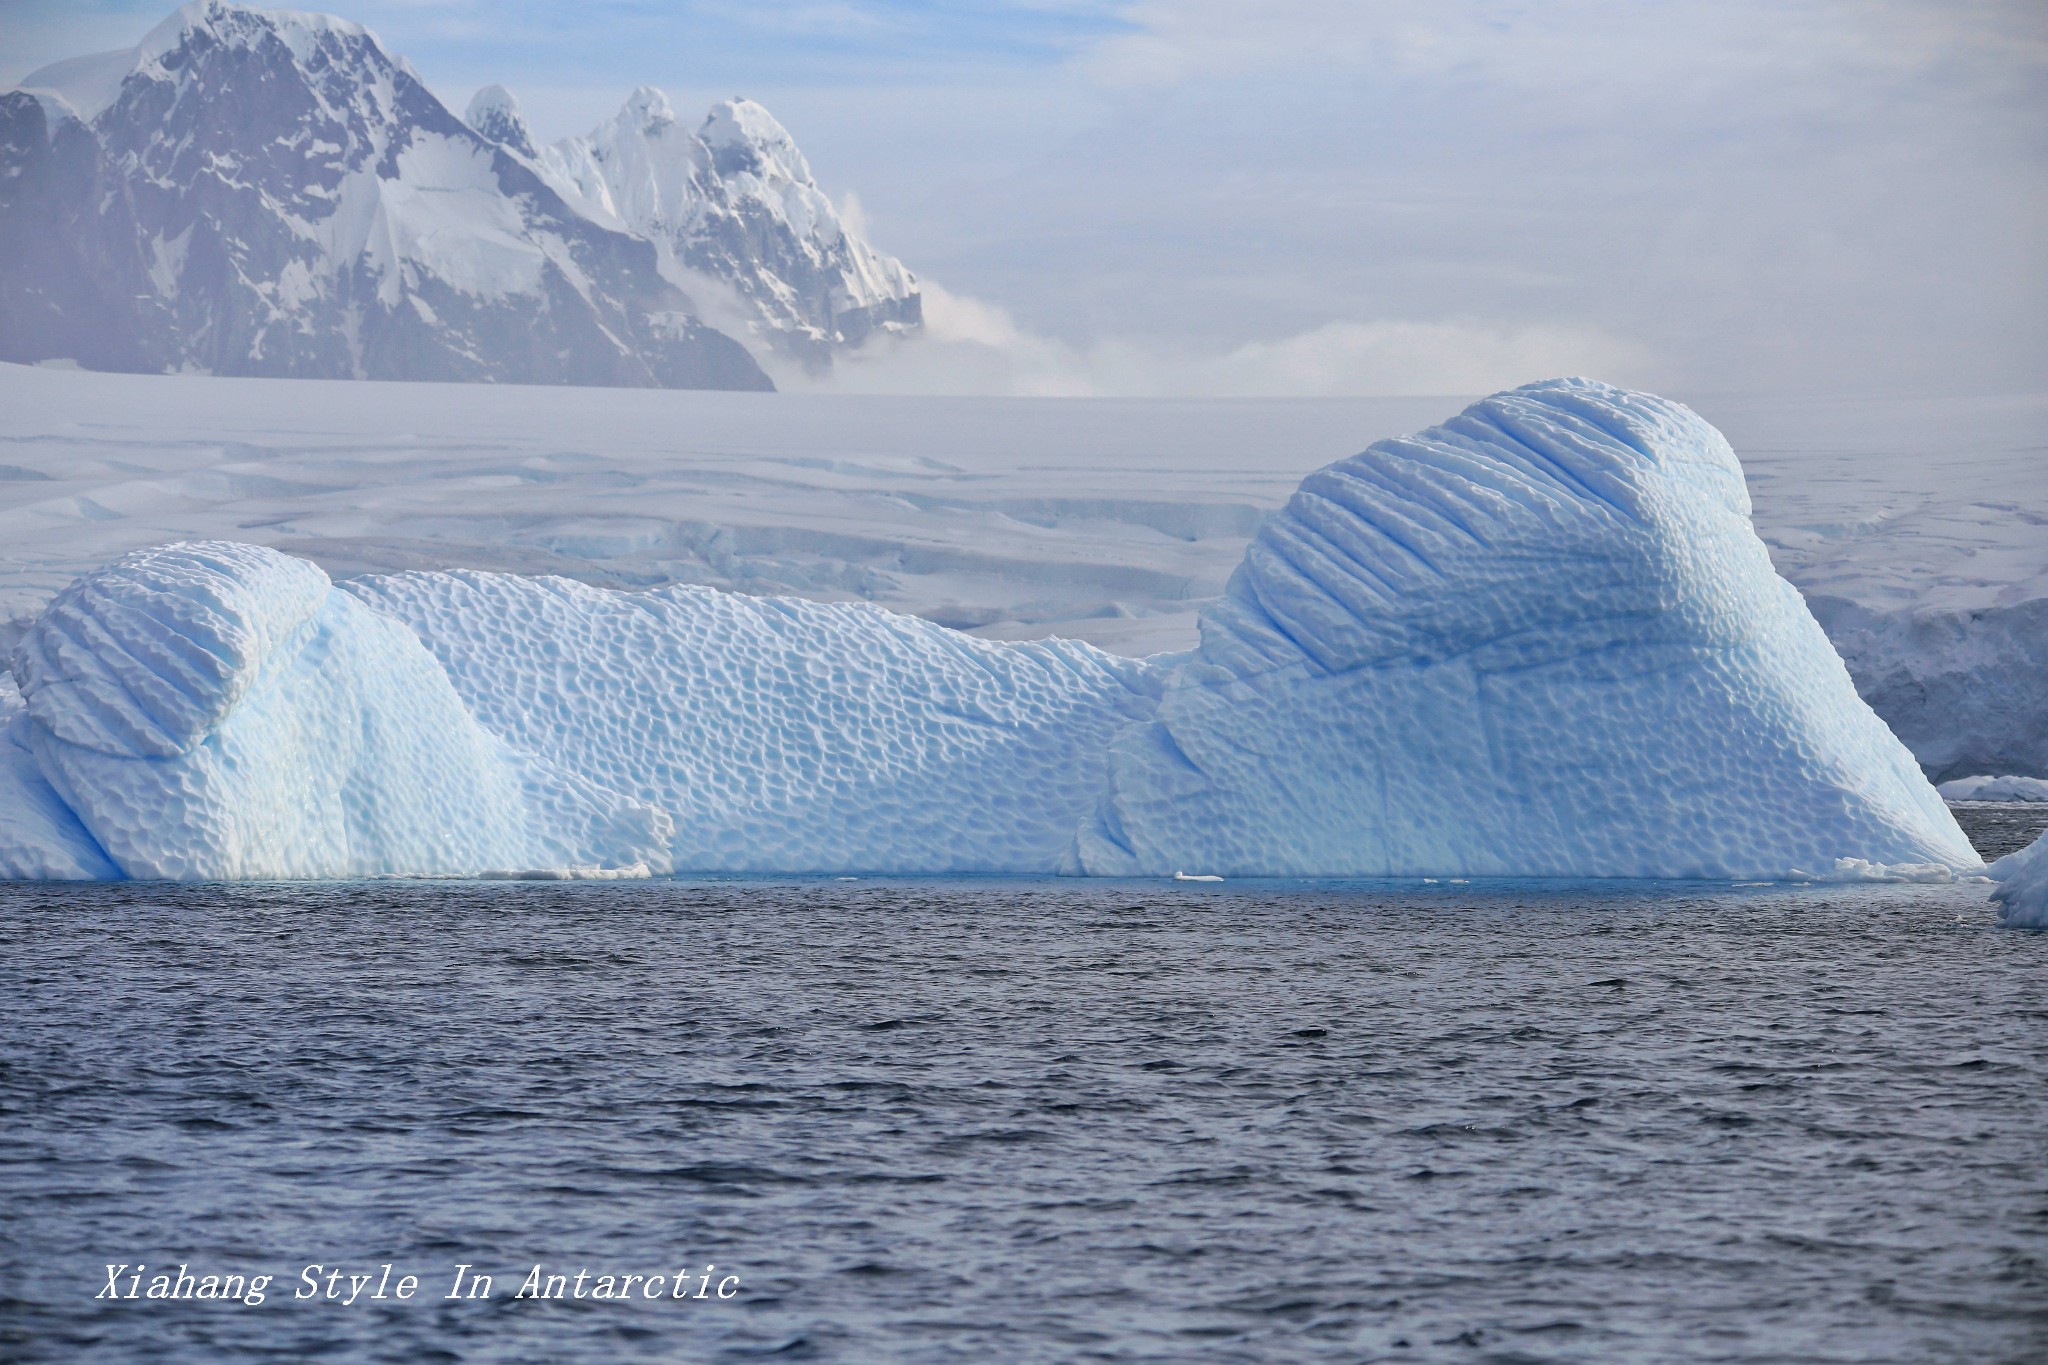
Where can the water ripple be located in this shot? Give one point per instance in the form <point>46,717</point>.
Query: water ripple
<point>1032,1121</point>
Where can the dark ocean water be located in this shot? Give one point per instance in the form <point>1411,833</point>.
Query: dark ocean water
<point>1024,1121</point>
<point>1997,828</point>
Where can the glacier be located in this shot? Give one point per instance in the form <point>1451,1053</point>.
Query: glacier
<point>1540,639</point>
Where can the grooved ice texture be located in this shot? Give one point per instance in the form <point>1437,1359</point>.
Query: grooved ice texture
<point>1541,639</point>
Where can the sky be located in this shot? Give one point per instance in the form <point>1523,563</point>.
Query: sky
<point>1338,197</point>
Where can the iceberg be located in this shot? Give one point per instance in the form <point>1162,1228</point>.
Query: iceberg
<point>220,712</point>
<point>2022,890</point>
<point>1541,639</point>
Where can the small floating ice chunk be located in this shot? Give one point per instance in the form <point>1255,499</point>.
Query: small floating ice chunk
<point>631,873</point>
<point>1862,870</point>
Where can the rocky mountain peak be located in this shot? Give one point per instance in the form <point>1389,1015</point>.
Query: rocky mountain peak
<point>736,200</point>
<point>647,109</point>
<point>495,114</point>
<point>745,139</point>
<point>226,24</point>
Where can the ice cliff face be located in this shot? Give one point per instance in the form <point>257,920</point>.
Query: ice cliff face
<point>734,201</point>
<point>1539,640</point>
<point>269,193</point>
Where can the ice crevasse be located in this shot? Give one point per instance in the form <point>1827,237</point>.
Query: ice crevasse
<point>1541,639</point>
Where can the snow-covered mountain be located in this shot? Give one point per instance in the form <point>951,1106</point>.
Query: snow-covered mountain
<point>258,192</point>
<point>735,201</point>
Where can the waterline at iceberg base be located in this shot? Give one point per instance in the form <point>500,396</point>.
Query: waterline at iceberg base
<point>1541,639</point>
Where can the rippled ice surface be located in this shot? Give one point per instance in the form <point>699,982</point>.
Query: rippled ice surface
<point>1021,1121</point>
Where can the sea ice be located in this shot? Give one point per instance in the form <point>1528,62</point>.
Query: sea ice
<point>1541,639</point>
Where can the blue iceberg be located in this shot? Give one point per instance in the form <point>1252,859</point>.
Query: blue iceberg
<point>2022,890</point>
<point>1541,639</point>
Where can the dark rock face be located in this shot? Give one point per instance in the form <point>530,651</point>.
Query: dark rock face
<point>270,195</point>
<point>72,279</point>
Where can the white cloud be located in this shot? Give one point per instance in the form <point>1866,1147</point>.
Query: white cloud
<point>972,347</point>
<point>853,216</point>
<point>1401,358</point>
<point>1561,44</point>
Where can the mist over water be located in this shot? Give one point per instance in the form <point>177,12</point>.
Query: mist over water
<point>1022,1120</point>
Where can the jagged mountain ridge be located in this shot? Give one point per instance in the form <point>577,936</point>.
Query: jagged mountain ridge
<point>271,193</point>
<point>734,201</point>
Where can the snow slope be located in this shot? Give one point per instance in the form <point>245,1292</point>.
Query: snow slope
<point>1539,640</point>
